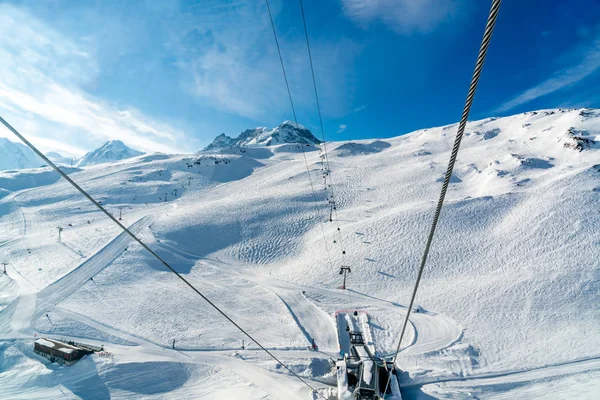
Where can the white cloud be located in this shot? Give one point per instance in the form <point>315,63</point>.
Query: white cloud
<point>403,16</point>
<point>233,82</point>
<point>40,79</point>
<point>588,64</point>
<point>342,128</point>
<point>360,108</point>
<point>234,65</point>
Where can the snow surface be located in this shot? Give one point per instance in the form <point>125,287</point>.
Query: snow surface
<point>507,305</point>
<point>44,342</point>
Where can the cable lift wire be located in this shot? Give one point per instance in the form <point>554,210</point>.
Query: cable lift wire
<point>134,237</point>
<point>287,85</point>
<point>326,157</point>
<point>487,36</point>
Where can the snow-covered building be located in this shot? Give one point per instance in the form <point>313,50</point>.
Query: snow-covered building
<point>60,352</point>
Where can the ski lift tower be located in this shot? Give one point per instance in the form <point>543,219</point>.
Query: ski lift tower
<point>121,212</point>
<point>4,264</point>
<point>60,229</point>
<point>344,271</point>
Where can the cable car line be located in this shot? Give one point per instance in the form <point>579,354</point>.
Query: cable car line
<point>287,85</point>
<point>487,36</point>
<point>327,170</point>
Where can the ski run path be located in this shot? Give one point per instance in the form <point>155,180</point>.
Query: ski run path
<point>507,306</point>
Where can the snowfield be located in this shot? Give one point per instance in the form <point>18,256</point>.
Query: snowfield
<point>508,305</point>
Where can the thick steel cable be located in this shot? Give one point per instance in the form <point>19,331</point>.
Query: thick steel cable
<point>134,237</point>
<point>287,85</point>
<point>312,70</point>
<point>487,36</point>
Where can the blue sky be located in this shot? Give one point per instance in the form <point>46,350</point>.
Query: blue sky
<point>168,75</point>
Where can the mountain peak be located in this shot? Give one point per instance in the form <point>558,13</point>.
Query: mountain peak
<point>286,132</point>
<point>114,142</point>
<point>113,150</point>
<point>291,124</point>
<point>15,155</point>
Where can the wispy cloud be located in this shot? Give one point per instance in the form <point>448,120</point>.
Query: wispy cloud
<point>588,63</point>
<point>40,92</point>
<point>403,16</point>
<point>360,108</point>
<point>235,67</point>
<point>342,128</point>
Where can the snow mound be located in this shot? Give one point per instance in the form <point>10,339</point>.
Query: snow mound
<point>154,157</point>
<point>28,178</point>
<point>353,148</point>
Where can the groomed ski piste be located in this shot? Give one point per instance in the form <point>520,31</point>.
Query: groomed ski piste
<point>507,307</point>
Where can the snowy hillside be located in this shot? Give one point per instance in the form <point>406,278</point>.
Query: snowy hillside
<point>508,302</point>
<point>287,132</point>
<point>16,156</point>
<point>114,150</point>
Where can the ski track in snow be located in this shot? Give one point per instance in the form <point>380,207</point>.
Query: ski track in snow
<point>23,307</point>
<point>433,331</point>
<point>31,305</point>
<point>574,379</point>
<point>568,368</point>
<point>64,287</point>
<point>308,316</point>
<point>277,385</point>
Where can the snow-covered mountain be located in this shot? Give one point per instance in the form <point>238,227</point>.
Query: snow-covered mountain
<point>287,132</point>
<point>58,158</point>
<point>508,303</point>
<point>111,151</point>
<point>17,156</point>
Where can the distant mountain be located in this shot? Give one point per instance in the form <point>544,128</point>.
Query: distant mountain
<point>17,156</point>
<point>60,159</point>
<point>287,132</point>
<point>111,151</point>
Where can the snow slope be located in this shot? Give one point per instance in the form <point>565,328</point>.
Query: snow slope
<point>508,302</point>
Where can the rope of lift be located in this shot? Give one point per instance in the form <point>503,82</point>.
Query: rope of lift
<point>333,204</point>
<point>312,187</point>
<point>134,237</point>
<point>487,36</point>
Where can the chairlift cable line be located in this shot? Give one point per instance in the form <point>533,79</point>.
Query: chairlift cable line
<point>487,36</point>
<point>287,85</point>
<point>326,157</point>
<point>134,237</point>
